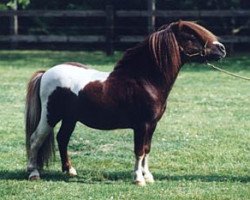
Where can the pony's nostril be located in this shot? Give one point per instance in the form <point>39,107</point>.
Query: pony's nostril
<point>221,47</point>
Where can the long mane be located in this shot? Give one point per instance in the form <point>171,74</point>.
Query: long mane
<point>159,52</point>
<point>165,50</point>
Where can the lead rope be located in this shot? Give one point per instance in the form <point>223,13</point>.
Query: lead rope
<point>227,72</point>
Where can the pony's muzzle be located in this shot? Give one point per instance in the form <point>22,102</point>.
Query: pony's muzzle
<point>221,48</point>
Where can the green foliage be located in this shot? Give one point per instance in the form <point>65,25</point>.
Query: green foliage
<point>126,4</point>
<point>3,7</point>
<point>197,4</point>
<point>200,148</point>
<point>13,4</point>
<point>136,4</point>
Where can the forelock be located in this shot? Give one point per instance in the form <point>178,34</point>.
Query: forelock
<point>203,33</point>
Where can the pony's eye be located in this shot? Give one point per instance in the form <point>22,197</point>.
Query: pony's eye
<point>192,37</point>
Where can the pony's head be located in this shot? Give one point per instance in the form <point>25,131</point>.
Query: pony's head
<point>196,43</point>
<point>184,41</point>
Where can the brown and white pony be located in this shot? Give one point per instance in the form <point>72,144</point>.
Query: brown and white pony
<point>134,95</point>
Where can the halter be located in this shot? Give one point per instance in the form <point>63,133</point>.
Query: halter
<point>201,53</point>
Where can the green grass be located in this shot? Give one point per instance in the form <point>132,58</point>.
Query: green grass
<point>201,147</point>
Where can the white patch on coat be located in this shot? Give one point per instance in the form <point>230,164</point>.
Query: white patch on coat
<point>64,76</point>
<point>68,76</point>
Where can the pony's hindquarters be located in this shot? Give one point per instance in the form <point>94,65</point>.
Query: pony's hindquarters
<point>39,136</point>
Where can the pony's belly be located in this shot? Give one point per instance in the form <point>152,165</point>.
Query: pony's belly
<point>104,120</point>
<point>104,125</point>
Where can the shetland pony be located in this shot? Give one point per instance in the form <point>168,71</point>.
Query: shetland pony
<point>134,95</point>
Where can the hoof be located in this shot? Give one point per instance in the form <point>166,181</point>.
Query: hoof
<point>34,178</point>
<point>34,175</point>
<point>140,183</point>
<point>72,172</point>
<point>149,179</point>
<point>138,179</point>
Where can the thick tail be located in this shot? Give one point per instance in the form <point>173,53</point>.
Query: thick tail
<point>32,118</point>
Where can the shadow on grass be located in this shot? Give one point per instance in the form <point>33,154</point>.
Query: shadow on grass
<point>205,178</point>
<point>89,176</point>
<point>107,177</point>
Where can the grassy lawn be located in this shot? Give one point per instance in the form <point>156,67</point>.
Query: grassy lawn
<point>201,147</point>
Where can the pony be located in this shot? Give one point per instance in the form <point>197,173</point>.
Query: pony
<point>132,96</point>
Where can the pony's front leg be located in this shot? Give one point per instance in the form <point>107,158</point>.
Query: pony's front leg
<point>147,147</point>
<point>138,171</point>
<point>142,173</point>
<point>146,173</point>
<point>142,140</point>
<point>139,155</point>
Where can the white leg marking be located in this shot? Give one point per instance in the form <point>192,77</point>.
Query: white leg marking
<point>71,172</point>
<point>34,175</point>
<point>138,172</point>
<point>36,140</point>
<point>147,174</point>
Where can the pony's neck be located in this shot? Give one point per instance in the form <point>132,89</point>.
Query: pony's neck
<point>139,62</point>
<point>136,60</point>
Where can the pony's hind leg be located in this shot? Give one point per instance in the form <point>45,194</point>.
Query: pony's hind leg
<point>36,141</point>
<point>63,138</point>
